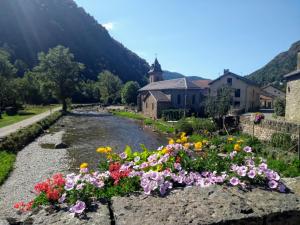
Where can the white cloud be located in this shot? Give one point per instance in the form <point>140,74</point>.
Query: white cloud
<point>109,26</point>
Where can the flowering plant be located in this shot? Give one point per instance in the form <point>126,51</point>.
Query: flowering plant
<point>180,163</point>
<point>258,117</point>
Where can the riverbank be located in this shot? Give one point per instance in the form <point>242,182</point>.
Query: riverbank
<point>33,164</point>
<point>157,125</point>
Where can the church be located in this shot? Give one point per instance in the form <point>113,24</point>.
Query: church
<point>160,94</point>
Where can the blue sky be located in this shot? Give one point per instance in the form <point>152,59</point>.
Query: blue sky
<point>201,37</point>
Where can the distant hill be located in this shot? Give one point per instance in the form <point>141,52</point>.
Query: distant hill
<point>167,75</point>
<point>28,27</point>
<point>282,64</point>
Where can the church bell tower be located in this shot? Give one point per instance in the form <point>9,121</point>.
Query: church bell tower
<point>155,72</point>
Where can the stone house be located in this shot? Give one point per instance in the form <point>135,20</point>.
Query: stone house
<point>245,94</point>
<point>292,109</point>
<point>268,95</point>
<point>161,94</point>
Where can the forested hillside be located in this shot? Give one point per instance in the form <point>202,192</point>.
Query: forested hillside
<point>28,27</point>
<point>282,64</point>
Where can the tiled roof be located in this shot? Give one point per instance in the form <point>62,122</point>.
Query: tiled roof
<point>250,82</point>
<point>202,83</point>
<point>160,96</point>
<point>180,83</point>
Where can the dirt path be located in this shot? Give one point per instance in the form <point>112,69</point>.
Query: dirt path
<point>24,123</point>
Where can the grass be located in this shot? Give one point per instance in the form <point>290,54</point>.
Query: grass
<point>29,111</point>
<point>158,125</point>
<point>6,164</point>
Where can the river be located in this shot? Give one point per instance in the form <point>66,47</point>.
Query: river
<point>86,130</point>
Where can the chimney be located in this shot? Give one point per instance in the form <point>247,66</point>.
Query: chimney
<point>298,61</point>
<point>227,70</point>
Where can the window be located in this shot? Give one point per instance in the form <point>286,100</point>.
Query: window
<point>178,99</point>
<point>152,106</point>
<point>193,99</point>
<point>229,81</point>
<point>237,93</point>
<point>237,104</point>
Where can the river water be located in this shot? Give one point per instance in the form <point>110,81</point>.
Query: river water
<point>86,130</point>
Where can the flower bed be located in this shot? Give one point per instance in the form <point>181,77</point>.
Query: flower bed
<point>178,164</point>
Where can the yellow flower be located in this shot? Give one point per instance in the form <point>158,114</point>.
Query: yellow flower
<point>240,141</point>
<point>101,150</point>
<point>108,149</point>
<point>198,145</point>
<point>109,156</point>
<point>183,134</point>
<point>178,141</point>
<point>104,149</point>
<point>230,139</point>
<point>204,141</point>
<point>184,139</point>
<point>186,145</point>
<point>237,147</point>
<point>171,141</point>
<point>84,165</point>
<point>164,151</point>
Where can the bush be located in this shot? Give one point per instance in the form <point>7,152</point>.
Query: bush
<point>200,125</point>
<point>6,164</point>
<point>184,125</point>
<point>281,140</point>
<point>279,106</point>
<point>16,141</point>
<point>173,114</point>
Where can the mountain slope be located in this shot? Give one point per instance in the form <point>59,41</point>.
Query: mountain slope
<point>31,26</point>
<point>282,64</point>
<point>167,75</point>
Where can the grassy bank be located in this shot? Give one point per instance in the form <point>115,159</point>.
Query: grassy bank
<point>158,125</point>
<point>13,143</point>
<point>29,111</point>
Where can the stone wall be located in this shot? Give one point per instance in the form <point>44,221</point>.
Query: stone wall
<point>292,111</point>
<point>266,128</point>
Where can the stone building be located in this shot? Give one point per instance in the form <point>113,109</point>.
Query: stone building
<point>245,95</point>
<point>268,95</point>
<point>161,94</point>
<point>292,109</point>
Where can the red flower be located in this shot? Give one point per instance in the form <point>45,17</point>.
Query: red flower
<point>178,159</point>
<point>116,174</point>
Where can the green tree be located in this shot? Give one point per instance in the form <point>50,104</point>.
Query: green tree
<point>61,71</point>
<point>110,87</point>
<point>129,92</point>
<point>279,106</point>
<point>218,106</point>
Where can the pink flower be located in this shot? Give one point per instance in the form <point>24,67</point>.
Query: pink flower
<point>234,181</point>
<point>273,184</point>
<point>247,149</point>
<point>78,208</point>
<point>251,174</point>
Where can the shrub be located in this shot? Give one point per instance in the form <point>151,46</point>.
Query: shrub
<point>173,114</point>
<point>279,106</point>
<point>6,164</point>
<point>281,140</point>
<point>16,141</point>
<point>201,125</point>
<point>184,125</point>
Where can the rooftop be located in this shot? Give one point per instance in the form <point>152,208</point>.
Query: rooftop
<point>180,83</point>
<point>160,96</point>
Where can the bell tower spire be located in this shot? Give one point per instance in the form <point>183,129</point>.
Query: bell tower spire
<point>155,72</point>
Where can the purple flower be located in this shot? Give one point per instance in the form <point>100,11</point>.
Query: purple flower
<point>69,185</point>
<point>84,170</point>
<point>242,170</point>
<point>281,188</point>
<point>272,184</point>
<point>177,166</point>
<point>263,166</point>
<point>144,165</point>
<point>123,155</point>
<point>251,174</point>
<point>80,186</point>
<point>62,198</point>
<point>232,154</point>
<point>78,208</point>
<point>247,149</point>
<point>234,181</point>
